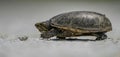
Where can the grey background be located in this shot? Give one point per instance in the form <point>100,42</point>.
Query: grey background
<point>17,18</point>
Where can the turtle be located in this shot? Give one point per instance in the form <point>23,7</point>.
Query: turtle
<point>74,24</point>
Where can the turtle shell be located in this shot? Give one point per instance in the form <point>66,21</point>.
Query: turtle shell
<point>82,21</point>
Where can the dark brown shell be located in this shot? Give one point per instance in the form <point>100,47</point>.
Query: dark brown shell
<point>82,21</point>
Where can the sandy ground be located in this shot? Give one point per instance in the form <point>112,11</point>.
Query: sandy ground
<point>17,19</point>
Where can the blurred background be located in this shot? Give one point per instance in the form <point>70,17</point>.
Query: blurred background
<point>19,16</point>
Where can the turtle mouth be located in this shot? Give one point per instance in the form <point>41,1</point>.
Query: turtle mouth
<point>41,27</point>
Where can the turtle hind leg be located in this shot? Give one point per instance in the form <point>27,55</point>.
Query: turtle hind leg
<point>101,36</point>
<point>61,38</point>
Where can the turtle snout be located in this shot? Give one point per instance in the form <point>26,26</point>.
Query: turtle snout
<point>37,25</point>
<point>41,27</point>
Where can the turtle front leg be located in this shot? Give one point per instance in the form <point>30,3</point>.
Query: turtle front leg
<point>48,34</point>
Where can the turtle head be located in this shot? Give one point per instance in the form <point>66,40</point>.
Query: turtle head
<point>43,26</point>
